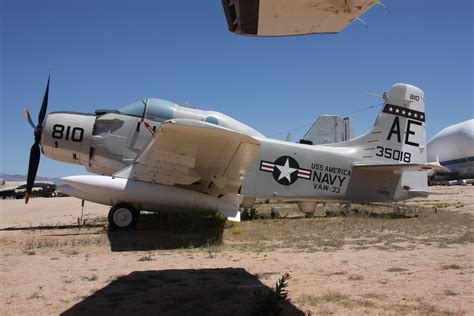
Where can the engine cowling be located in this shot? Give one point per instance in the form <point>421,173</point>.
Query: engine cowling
<point>67,136</point>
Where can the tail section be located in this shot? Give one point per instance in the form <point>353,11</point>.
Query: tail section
<point>398,135</point>
<point>391,157</point>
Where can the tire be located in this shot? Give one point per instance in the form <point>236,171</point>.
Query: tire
<point>123,216</point>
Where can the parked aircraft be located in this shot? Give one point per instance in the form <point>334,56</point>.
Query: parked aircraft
<point>329,129</point>
<point>17,189</point>
<point>453,147</point>
<point>295,17</point>
<point>154,154</point>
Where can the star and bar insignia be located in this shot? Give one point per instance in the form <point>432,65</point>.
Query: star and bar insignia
<point>285,170</point>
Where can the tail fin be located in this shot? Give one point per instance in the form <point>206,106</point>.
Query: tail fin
<point>389,154</point>
<point>399,133</point>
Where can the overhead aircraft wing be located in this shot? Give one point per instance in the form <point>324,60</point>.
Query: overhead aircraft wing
<point>195,155</point>
<point>292,17</point>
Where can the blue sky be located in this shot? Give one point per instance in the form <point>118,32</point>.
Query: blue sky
<point>106,54</point>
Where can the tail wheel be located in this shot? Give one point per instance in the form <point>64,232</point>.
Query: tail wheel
<point>123,216</point>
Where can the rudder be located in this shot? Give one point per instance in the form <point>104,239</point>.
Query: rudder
<point>397,138</point>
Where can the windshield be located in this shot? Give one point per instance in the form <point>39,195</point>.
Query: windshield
<point>157,108</point>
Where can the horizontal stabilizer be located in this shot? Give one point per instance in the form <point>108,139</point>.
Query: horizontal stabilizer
<point>397,167</point>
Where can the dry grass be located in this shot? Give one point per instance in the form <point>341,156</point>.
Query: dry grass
<point>89,278</point>
<point>146,258</point>
<point>355,277</point>
<point>335,298</point>
<point>418,226</point>
<point>452,266</point>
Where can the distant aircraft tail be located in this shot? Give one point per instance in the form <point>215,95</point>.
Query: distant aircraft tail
<point>328,129</point>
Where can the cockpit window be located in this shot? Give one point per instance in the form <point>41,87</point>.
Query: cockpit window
<point>135,109</point>
<point>157,108</point>
<point>162,109</point>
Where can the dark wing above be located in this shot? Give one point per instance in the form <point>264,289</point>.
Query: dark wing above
<point>292,17</point>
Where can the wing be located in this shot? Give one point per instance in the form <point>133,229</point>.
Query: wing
<point>195,155</point>
<point>292,17</point>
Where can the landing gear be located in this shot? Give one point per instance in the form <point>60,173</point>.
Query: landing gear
<point>123,216</point>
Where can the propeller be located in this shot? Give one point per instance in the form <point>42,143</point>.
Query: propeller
<point>35,152</point>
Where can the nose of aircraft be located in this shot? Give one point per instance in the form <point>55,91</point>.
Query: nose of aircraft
<point>67,136</point>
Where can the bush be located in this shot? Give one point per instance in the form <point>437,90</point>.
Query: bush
<point>269,303</point>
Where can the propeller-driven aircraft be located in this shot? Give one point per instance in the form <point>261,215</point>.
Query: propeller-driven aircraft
<point>154,154</point>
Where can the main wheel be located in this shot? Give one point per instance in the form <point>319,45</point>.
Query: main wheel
<point>123,216</point>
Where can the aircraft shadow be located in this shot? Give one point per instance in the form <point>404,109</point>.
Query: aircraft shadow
<point>227,291</point>
<point>169,231</point>
<point>51,227</point>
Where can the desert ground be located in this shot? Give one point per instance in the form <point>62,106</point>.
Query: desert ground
<point>410,258</point>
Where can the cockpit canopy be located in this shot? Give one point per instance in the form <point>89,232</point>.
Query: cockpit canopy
<point>161,110</point>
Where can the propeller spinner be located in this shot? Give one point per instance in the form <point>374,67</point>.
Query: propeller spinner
<point>35,152</point>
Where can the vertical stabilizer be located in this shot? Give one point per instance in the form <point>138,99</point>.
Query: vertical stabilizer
<point>397,137</point>
<point>398,134</point>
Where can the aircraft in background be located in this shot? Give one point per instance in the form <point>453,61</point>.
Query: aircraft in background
<point>293,17</point>
<point>17,189</point>
<point>329,129</point>
<point>453,148</point>
<point>155,154</point>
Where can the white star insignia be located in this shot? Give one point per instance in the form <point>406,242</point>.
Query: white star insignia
<point>416,115</point>
<point>421,116</point>
<point>397,110</point>
<point>403,112</point>
<point>409,113</point>
<point>390,109</point>
<point>286,170</point>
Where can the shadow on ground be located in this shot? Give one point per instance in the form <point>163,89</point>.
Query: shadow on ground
<point>228,291</point>
<point>169,231</point>
<point>50,227</point>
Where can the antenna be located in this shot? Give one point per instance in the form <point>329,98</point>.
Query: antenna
<point>373,94</point>
<point>363,22</point>
<point>384,6</point>
<point>145,103</point>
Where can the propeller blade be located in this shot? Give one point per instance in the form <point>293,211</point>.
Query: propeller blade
<point>27,116</point>
<point>44,106</point>
<point>32,169</point>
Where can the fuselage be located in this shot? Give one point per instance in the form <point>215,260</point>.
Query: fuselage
<point>110,140</point>
<point>453,147</point>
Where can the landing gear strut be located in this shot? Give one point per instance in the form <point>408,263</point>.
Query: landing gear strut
<point>123,216</point>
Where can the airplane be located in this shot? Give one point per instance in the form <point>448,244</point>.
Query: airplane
<point>17,190</point>
<point>293,17</point>
<point>453,147</point>
<point>329,129</point>
<point>153,155</point>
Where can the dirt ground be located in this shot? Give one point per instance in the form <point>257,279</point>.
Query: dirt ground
<point>416,260</point>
